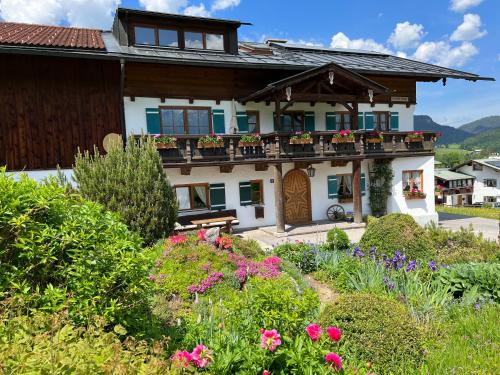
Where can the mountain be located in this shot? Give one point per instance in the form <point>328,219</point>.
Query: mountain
<point>450,134</point>
<point>482,125</point>
<point>488,140</point>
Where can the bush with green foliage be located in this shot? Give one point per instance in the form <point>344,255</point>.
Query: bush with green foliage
<point>132,182</point>
<point>59,251</point>
<point>337,239</point>
<point>377,329</point>
<point>394,232</point>
<point>480,279</point>
<point>303,255</point>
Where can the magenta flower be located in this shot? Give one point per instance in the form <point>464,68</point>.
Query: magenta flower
<point>314,331</point>
<point>334,333</point>
<point>177,239</point>
<point>334,360</point>
<point>181,359</point>
<point>266,372</point>
<point>270,339</point>
<point>152,278</point>
<point>202,234</point>
<point>272,261</point>
<point>201,356</point>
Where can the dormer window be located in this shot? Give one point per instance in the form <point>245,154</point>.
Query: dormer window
<point>203,40</point>
<point>168,38</point>
<point>145,35</point>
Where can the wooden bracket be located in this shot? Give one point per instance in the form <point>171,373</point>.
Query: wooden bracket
<point>339,163</point>
<point>132,98</point>
<point>268,102</point>
<point>301,165</point>
<point>372,104</point>
<point>313,104</point>
<point>217,101</point>
<point>162,99</point>
<point>226,168</point>
<point>185,171</point>
<point>191,100</point>
<point>391,104</point>
<point>408,105</point>
<point>260,167</point>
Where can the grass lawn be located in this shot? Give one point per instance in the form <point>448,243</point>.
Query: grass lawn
<point>488,213</point>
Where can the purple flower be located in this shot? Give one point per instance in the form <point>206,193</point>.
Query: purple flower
<point>412,264</point>
<point>358,253</point>
<point>477,306</point>
<point>433,266</point>
<point>152,277</point>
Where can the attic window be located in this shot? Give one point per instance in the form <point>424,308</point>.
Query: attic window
<point>167,38</point>
<point>145,35</point>
<point>203,40</point>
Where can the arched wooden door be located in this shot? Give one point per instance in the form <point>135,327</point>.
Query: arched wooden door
<point>297,197</point>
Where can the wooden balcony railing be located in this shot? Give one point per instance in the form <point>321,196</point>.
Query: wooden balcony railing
<point>277,147</point>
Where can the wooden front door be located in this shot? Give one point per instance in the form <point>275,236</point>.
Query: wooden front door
<point>297,196</point>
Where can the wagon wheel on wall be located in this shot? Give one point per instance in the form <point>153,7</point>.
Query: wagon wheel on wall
<point>335,212</point>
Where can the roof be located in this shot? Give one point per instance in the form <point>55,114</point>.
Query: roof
<point>141,12</point>
<point>446,174</point>
<point>21,34</point>
<point>490,162</point>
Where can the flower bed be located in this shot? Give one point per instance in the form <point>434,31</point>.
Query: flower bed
<point>211,141</point>
<point>300,138</point>
<point>344,136</point>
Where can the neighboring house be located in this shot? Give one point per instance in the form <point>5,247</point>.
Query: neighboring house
<point>487,175</point>
<point>64,89</point>
<point>453,188</point>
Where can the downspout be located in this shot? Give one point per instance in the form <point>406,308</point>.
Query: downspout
<point>122,102</point>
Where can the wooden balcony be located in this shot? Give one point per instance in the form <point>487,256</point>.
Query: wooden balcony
<point>276,147</point>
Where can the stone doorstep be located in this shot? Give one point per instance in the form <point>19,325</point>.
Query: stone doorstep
<point>311,228</point>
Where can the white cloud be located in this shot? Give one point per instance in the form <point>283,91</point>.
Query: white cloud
<point>224,4</point>
<point>463,5</point>
<point>340,40</point>
<point>469,29</point>
<point>442,53</point>
<point>83,13</point>
<point>406,35</point>
<point>401,54</point>
<point>167,6</point>
<point>197,11</point>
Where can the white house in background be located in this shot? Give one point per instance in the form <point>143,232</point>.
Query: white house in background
<point>487,178</point>
<point>453,188</point>
<point>320,118</point>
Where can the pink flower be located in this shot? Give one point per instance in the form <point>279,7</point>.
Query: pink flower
<point>270,339</point>
<point>272,261</point>
<point>335,360</point>
<point>201,356</point>
<point>342,132</point>
<point>266,372</point>
<point>181,359</point>
<point>152,277</point>
<point>314,331</point>
<point>334,333</point>
<point>177,239</point>
<point>202,234</point>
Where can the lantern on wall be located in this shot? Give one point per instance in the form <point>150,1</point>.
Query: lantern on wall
<point>288,92</point>
<point>370,95</point>
<point>331,76</point>
<point>311,171</point>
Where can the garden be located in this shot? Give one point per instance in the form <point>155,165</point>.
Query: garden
<point>93,285</point>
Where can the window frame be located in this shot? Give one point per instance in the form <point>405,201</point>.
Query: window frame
<point>145,25</point>
<point>302,125</point>
<point>477,167</point>
<point>421,172</point>
<point>257,120</point>
<point>204,40</point>
<point>191,196</point>
<point>185,117</point>
<point>169,29</point>
<point>341,124</point>
<point>490,182</point>
<point>261,191</point>
<point>376,121</point>
<point>344,198</point>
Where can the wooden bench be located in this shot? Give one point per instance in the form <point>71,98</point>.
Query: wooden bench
<point>227,220</point>
<point>216,219</point>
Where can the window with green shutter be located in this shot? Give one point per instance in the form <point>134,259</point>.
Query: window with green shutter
<point>395,121</point>
<point>251,192</point>
<point>218,121</point>
<point>331,123</point>
<point>332,187</point>
<point>361,121</point>
<point>153,120</point>
<point>218,196</point>
<point>309,125</point>
<point>242,121</point>
<point>245,193</point>
<point>369,123</point>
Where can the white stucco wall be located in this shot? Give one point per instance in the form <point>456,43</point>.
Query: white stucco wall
<point>423,210</point>
<point>480,190</point>
<point>40,175</point>
<point>135,112</point>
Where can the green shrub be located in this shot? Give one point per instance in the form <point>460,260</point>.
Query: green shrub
<point>337,239</point>
<point>304,256</point>
<point>398,232</point>
<point>462,246</point>
<point>59,250</point>
<point>377,329</point>
<point>481,279</point>
<point>132,182</point>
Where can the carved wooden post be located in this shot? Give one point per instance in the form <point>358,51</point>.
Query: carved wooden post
<point>321,146</point>
<point>188,150</point>
<point>231,149</point>
<point>279,199</point>
<point>361,144</point>
<point>356,191</point>
<point>277,147</point>
<point>393,139</point>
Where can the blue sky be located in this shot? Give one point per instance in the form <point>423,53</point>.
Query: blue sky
<point>463,34</point>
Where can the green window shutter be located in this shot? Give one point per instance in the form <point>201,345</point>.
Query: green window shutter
<point>153,120</point>
<point>275,125</point>
<point>331,121</point>
<point>395,121</point>
<point>361,121</point>
<point>245,193</point>
<point>363,184</point>
<point>309,125</point>
<point>332,187</point>
<point>369,121</point>
<point>217,197</point>
<point>218,121</point>
<point>242,119</point>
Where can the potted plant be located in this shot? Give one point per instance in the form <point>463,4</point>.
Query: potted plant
<point>374,137</point>
<point>414,137</point>
<point>344,136</point>
<point>250,140</point>
<point>164,142</point>
<point>211,141</point>
<point>301,138</point>
<point>414,193</point>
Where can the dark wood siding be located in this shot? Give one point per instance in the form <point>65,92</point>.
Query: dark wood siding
<point>50,107</point>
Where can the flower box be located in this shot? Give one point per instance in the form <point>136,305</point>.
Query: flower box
<point>374,140</point>
<point>210,144</point>
<point>249,144</point>
<point>342,140</point>
<point>414,139</point>
<point>411,196</point>
<point>166,146</point>
<point>301,141</point>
